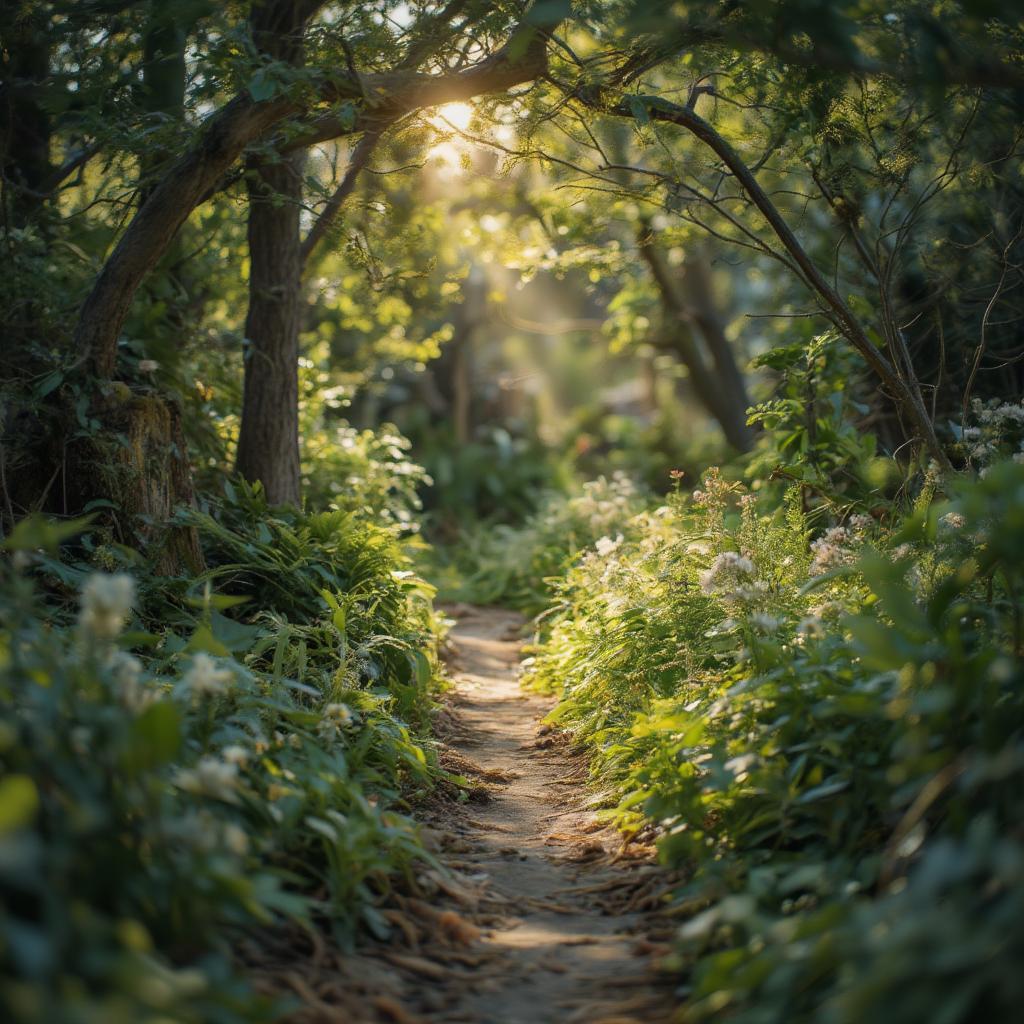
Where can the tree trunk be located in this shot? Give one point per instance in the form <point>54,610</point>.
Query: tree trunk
<point>25,128</point>
<point>268,439</point>
<point>698,290</point>
<point>154,227</point>
<point>717,381</point>
<point>268,442</point>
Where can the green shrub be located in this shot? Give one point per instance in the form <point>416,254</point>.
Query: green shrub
<point>177,766</point>
<point>827,736</point>
<point>512,565</point>
<point>364,471</point>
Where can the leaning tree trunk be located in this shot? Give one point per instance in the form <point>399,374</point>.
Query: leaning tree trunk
<point>717,381</point>
<point>268,442</point>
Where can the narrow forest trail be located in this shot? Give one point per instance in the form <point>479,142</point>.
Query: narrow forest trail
<point>571,931</point>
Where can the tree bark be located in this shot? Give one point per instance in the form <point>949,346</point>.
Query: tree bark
<point>154,227</point>
<point>268,441</point>
<point>268,438</point>
<point>717,382</point>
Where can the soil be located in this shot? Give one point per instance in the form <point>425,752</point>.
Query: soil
<point>536,914</point>
<point>576,940</point>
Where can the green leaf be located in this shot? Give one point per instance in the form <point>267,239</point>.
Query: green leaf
<point>203,640</point>
<point>155,738</point>
<point>263,86</point>
<point>37,531</point>
<point>19,802</point>
<point>49,383</point>
<point>639,108</point>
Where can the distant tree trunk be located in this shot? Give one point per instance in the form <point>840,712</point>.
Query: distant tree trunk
<point>164,78</point>
<point>268,441</point>
<point>717,381</point>
<point>25,125</point>
<point>698,290</point>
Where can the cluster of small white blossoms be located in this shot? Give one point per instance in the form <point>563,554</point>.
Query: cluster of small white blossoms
<point>838,546</point>
<point>335,717</point>
<point>201,831</point>
<point>999,414</point>
<point>607,545</point>
<point>107,601</point>
<point>732,579</point>
<point>213,777</point>
<point>605,503</point>
<point>205,678</point>
<point>133,693</point>
<point>1000,424</point>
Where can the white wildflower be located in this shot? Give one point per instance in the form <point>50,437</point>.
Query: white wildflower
<point>832,551</point>
<point>731,579</point>
<point>235,840</point>
<point>953,521</point>
<point>205,679</point>
<point>340,713</point>
<point>107,602</point>
<point>605,545</point>
<point>235,754</point>
<point>764,622</point>
<point>131,691</point>
<point>1009,414</point>
<point>211,777</point>
<point>148,366</point>
<point>811,626</point>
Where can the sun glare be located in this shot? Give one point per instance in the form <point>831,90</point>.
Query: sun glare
<point>452,115</point>
<point>450,149</point>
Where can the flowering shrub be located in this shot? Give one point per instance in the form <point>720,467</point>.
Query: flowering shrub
<point>367,471</point>
<point>179,767</point>
<point>510,564</point>
<point>826,733</point>
<point>997,432</point>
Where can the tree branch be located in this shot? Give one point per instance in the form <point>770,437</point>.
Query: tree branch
<point>360,155</point>
<point>905,392</point>
<point>241,122</point>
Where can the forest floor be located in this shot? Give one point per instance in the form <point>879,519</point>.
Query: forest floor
<point>570,935</point>
<point>544,915</point>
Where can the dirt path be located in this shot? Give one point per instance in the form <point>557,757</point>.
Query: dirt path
<point>573,937</point>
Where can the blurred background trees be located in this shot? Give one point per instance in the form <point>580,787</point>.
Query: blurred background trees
<point>558,275</point>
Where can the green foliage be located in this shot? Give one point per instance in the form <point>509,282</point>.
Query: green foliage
<point>513,565</point>
<point>810,432</point>
<point>827,737</point>
<point>366,471</point>
<point>185,760</point>
<point>494,477</point>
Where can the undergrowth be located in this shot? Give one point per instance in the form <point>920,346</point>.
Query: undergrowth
<point>514,565</point>
<point>186,760</point>
<point>825,727</point>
